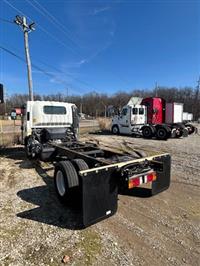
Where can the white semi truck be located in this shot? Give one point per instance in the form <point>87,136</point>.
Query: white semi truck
<point>84,173</point>
<point>151,117</point>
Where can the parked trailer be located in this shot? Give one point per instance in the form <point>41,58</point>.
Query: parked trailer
<point>190,117</point>
<point>185,116</point>
<point>85,174</point>
<point>173,113</point>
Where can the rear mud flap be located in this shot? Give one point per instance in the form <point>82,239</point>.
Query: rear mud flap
<point>163,177</point>
<point>99,195</point>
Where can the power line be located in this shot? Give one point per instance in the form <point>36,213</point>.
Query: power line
<point>42,10</point>
<point>39,26</point>
<point>42,70</point>
<point>57,40</point>
<point>12,53</point>
<point>54,18</point>
<point>23,60</point>
<point>7,21</point>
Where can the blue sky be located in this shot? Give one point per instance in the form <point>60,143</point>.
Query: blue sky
<point>102,46</point>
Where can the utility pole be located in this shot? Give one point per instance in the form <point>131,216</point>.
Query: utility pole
<point>21,21</point>
<point>156,89</point>
<point>197,98</point>
<point>105,109</point>
<point>198,89</point>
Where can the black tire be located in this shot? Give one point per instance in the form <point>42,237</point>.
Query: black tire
<point>147,132</point>
<point>80,165</point>
<point>115,129</point>
<point>191,128</point>
<point>162,133</point>
<point>27,149</point>
<point>66,182</point>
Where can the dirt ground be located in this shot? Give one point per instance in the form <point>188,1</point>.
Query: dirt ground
<point>35,229</point>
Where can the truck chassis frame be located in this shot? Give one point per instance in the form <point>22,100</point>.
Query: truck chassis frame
<point>92,177</point>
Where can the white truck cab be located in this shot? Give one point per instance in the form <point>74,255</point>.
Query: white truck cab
<point>48,121</point>
<point>46,114</point>
<point>130,119</point>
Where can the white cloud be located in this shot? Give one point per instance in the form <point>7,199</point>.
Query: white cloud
<point>100,10</point>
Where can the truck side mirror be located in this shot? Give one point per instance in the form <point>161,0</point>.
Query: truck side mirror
<point>13,115</point>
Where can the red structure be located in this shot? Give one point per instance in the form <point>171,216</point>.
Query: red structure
<point>155,110</point>
<point>18,111</point>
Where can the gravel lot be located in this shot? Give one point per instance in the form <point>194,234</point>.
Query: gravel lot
<point>35,229</point>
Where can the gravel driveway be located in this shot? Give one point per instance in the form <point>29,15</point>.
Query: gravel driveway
<point>35,229</point>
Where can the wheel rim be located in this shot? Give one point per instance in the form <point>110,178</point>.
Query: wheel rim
<point>147,132</point>
<point>161,133</point>
<point>115,130</point>
<point>60,183</point>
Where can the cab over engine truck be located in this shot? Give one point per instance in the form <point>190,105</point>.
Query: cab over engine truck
<point>84,173</point>
<point>152,117</point>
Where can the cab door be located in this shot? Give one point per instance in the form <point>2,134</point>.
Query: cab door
<point>124,120</point>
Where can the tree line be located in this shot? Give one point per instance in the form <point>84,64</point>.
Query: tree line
<point>97,104</point>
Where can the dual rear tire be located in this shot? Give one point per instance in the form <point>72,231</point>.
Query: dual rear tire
<point>148,132</point>
<point>67,181</point>
<point>161,132</point>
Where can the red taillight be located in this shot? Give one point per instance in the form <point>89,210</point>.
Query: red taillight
<point>134,182</point>
<point>151,177</point>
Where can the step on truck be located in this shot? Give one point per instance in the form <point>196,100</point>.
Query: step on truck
<point>152,118</point>
<point>86,175</point>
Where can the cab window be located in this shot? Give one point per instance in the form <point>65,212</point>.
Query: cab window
<point>54,110</point>
<point>124,111</point>
<point>135,111</point>
<point>141,111</point>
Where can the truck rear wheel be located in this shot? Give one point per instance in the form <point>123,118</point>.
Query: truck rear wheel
<point>80,164</point>
<point>191,128</point>
<point>27,145</point>
<point>115,129</point>
<point>66,182</point>
<point>162,133</point>
<point>147,132</point>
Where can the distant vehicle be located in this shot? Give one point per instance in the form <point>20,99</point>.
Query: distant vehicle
<point>153,117</point>
<point>82,116</point>
<point>85,174</point>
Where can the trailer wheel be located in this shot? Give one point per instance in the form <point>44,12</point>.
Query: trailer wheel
<point>147,132</point>
<point>115,129</point>
<point>162,133</point>
<point>80,164</point>
<point>66,182</point>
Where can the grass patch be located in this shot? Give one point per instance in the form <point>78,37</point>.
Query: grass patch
<point>8,139</point>
<point>90,245</point>
<point>104,123</point>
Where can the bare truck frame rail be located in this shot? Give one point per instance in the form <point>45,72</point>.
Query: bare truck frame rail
<point>92,177</point>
